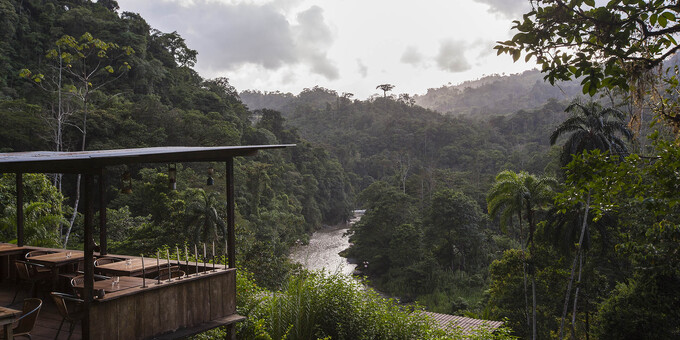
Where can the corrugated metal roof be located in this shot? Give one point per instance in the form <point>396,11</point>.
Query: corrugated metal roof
<point>467,325</point>
<point>90,161</point>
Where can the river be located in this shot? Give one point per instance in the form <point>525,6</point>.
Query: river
<point>323,248</point>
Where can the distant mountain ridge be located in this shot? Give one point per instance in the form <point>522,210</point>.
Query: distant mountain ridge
<point>497,94</point>
<point>488,96</point>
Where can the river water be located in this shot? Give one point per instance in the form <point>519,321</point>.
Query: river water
<point>323,248</point>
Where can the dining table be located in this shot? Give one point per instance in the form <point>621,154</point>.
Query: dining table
<point>10,249</point>
<point>109,285</point>
<point>56,260</point>
<point>131,267</point>
<point>7,317</point>
<point>7,250</point>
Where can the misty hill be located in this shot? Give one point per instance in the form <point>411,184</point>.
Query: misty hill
<point>488,96</point>
<point>497,94</point>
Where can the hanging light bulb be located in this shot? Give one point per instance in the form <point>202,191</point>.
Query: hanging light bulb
<point>126,183</point>
<point>211,172</point>
<point>172,176</point>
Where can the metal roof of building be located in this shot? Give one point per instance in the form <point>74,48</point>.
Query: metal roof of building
<point>91,161</point>
<point>467,325</point>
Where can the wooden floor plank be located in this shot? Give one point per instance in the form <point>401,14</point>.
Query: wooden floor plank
<point>48,320</point>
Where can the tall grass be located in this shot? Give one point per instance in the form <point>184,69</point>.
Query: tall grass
<point>318,305</point>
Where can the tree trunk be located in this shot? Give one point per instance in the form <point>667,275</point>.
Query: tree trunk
<point>532,268</point>
<point>533,310</point>
<point>82,148</point>
<point>578,287</point>
<point>524,271</point>
<point>573,266</point>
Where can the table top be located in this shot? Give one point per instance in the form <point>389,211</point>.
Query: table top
<point>10,249</point>
<point>124,283</point>
<point>58,259</point>
<point>122,268</point>
<point>7,315</point>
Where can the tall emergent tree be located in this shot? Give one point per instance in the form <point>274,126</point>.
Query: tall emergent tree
<point>385,88</point>
<point>90,64</point>
<point>612,44</point>
<point>592,127</point>
<point>521,194</point>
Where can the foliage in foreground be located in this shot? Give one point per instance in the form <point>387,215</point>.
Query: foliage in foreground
<point>318,305</point>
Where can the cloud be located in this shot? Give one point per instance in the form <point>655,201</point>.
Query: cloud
<point>485,47</point>
<point>230,35</point>
<point>451,56</point>
<point>511,9</point>
<point>362,68</point>
<point>313,38</point>
<point>412,56</point>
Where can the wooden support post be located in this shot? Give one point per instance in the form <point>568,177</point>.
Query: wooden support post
<point>231,220</point>
<point>102,213</point>
<point>231,231</point>
<point>20,209</point>
<point>89,252</point>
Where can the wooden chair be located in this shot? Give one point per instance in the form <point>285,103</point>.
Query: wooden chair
<point>174,273</point>
<point>106,260</point>
<point>78,269</point>
<point>70,308</point>
<point>38,253</point>
<point>28,276</point>
<point>29,314</point>
<point>76,281</point>
<point>80,281</point>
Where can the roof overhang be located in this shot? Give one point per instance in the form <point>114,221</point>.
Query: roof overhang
<point>94,161</point>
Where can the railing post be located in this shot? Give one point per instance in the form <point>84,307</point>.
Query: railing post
<point>102,213</point>
<point>20,209</point>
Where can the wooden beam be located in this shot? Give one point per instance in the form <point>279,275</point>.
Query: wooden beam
<point>89,252</point>
<point>20,209</point>
<point>102,213</point>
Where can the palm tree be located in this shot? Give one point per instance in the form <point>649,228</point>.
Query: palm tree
<point>521,194</point>
<point>204,216</point>
<point>592,127</point>
<point>41,224</point>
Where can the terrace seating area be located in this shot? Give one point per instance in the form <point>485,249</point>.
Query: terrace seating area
<point>151,296</point>
<point>122,297</point>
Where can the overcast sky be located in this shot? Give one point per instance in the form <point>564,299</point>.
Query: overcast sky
<point>345,45</point>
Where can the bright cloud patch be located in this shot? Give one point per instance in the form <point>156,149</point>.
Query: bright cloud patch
<point>451,56</point>
<point>412,56</point>
<point>508,8</point>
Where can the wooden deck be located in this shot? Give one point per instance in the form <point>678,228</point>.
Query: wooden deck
<point>198,302</point>
<point>48,319</point>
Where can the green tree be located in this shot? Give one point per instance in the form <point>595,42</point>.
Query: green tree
<point>385,88</point>
<point>203,213</point>
<point>521,193</point>
<point>616,44</point>
<point>592,127</point>
<point>87,61</point>
<point>386,209</point>
<point>454,224</point>
<point>43,215</point>
<point>611,44</point>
